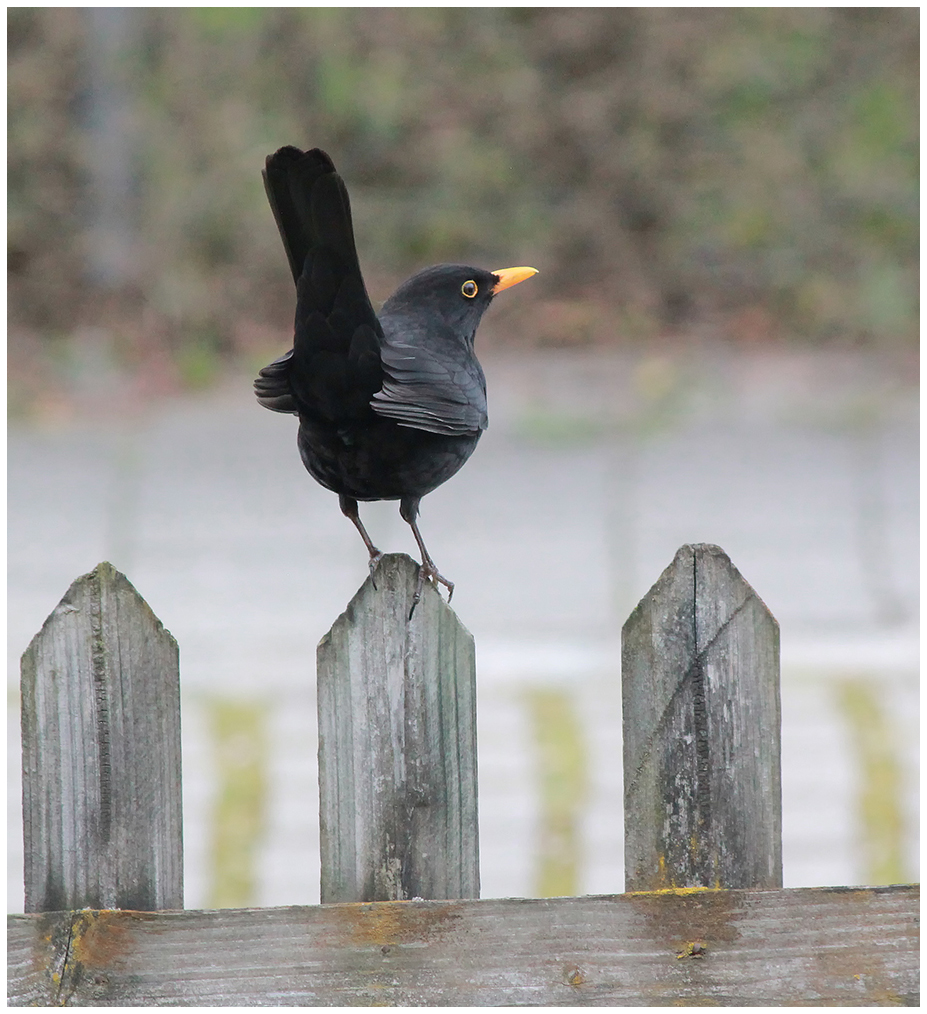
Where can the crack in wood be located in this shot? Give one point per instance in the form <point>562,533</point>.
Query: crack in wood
<point>98,658</point>
<point>697,663</point>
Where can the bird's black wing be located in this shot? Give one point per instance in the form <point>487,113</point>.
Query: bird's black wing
<point>432,381</point>
<point>334,367</point>
<point>272,386</point>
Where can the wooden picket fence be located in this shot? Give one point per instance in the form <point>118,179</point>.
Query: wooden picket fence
<point>704,920</point>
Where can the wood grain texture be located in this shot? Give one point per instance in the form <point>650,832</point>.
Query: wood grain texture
<point>701,718</point>
<point>397,746</point>
<point>812,947</point>
<point>101,753</point>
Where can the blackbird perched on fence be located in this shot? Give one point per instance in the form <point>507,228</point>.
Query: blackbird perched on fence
<point>389,406</point>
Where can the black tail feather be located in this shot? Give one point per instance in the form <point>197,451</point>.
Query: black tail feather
<point>334,367</point>
<point>311,206</point>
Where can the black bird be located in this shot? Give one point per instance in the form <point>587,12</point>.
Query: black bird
<point>389,406</point>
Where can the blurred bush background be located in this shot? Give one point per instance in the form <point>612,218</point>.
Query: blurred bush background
<point>750,173</point>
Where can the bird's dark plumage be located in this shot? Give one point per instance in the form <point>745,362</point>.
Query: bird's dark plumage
<point>389,406</point>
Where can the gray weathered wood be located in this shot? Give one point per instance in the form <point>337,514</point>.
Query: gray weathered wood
<point>101,753</point>
<point>700,693</point>
<point>807,947</point>
<point>397,746</point>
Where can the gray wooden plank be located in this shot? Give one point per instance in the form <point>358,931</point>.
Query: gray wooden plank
<point>701,720</point>
<point>102,808</point>
<point>813,947</point>
<point>397,746</point>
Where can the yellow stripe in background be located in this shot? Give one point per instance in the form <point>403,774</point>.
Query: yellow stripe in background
<point>879,800</point>
<point>239,742</point>
<point>563,781</point>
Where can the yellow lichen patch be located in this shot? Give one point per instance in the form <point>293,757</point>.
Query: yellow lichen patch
<point>666,885</point>
<point>662,878</point>
<point>387,924</point>
<point>100,937</point>
<point>380,924</point>
<point>681,891</point>
<point>693,949</point>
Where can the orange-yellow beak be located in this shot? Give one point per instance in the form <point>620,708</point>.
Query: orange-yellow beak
<point>511,276</point>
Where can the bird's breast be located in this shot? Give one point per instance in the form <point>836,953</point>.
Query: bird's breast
<point>381,460</point>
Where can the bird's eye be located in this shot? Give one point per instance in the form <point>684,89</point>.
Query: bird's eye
<point>469,289</point>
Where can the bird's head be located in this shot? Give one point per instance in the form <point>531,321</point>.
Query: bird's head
<point>456,293</point>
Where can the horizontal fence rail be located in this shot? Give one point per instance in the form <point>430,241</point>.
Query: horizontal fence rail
<point>826,946</point>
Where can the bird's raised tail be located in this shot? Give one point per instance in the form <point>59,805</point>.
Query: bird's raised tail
<point>311,207</point>
<point>333,369</point>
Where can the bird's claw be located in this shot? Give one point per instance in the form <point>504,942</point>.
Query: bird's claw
<point>375,559</point>
<point>447,584</point>
<point>430,572</point>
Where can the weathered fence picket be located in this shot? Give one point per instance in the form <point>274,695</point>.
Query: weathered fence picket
<point>397,761</point>
<point>102,809</point>
<point>700,707</point>
<point>397,746</point>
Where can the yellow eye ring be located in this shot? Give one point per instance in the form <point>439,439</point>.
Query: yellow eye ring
<point>469,289</point>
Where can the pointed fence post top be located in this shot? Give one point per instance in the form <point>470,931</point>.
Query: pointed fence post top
<point>388,593</point>
<point>102,814</point>
<point>397,745</point>
<point>717,586</point>
<point>103,580</point>
<point>701,718</point>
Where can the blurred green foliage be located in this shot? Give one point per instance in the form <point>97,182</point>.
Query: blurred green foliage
<point>753,170</point>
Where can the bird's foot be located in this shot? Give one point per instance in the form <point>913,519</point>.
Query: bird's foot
<point>428,571</point>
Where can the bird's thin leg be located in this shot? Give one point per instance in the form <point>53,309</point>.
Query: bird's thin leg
<point>408,509</point>
<point>349,509</point>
